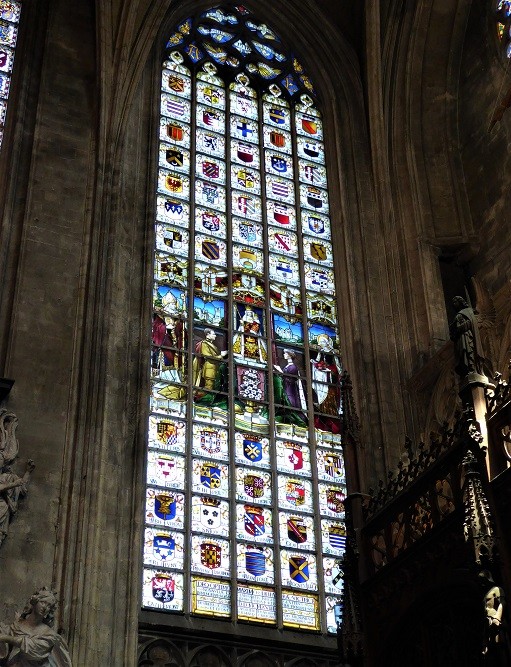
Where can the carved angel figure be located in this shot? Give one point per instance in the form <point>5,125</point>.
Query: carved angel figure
<point>30,640</point>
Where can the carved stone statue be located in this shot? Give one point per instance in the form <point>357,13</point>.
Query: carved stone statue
<point>494,601</point>
<point>30,640</point>
<point>12,487</point>
<point>9,446</point>
<point>465,335</point>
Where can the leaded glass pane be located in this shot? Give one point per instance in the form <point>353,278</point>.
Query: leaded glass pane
<point>256,604</point>
<point>245,471</point>
<point>164,508</point>
<point>210,556</point>
<point>255,563</point>
<point>300,610</point>
<point>297,531</point>
<point>162,590</point>
<point>210,515</point>
<point>210,597</point>
<point>163,548</point>
<point>254,523</point>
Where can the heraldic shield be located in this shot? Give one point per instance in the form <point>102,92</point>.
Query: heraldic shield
<point>174,157</point>
<point>299,569</point>
<point>211,555</point>
<point>335,500</point>
<point>165,506</point>
<point>210,441</point>
<point>311,149</point>
<point>175,131</point>
<point>316,225</point>
<point>254,486</point>
<point>252,450</point>
<point>281,214</point>
<point>278,116</point>
<point>254,521</point>
<point>295,492</point>
<point>338,574</point>
<point>246,153</point>
<point>210,476</point>
<point>278,139</point>
<point>334,465</point>
<point>174,209</point>
<point>163,586</point>
<point>296,530</point>
<point>309,125</point>
<point>314,197</point>
<point>164,546</point>
<point>210,513</point>
<point>247,232</point>
<point>337,537</point>
<point>255,562</point>
<point>295,456</point>
<point>279,164</point>
<point>167,433</point>
<point>210,222</point>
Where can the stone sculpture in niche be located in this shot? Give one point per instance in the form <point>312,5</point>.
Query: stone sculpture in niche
<point>31,640</point>
<point>465,335</point>
<point>12,487</point>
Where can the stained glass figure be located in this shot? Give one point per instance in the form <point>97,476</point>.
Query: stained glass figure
<point>245,474</point>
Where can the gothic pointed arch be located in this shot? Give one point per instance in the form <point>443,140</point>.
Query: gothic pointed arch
<point>245,441</point>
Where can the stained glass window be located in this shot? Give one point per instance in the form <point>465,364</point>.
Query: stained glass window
<point>245,473</point>
<point>9,19</point>
<point>503,23</point>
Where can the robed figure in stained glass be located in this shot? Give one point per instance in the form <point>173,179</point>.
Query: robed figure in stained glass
<point>288,390</point>
<point>206,364</point>
<point>169,338</point>
<point>292,388</point>
<point>326,374</point>
<point>247,342</point>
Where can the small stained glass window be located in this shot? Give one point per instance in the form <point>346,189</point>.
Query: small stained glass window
<point>503,24</point>
<point>9,20</point>
<point>246,481</point>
